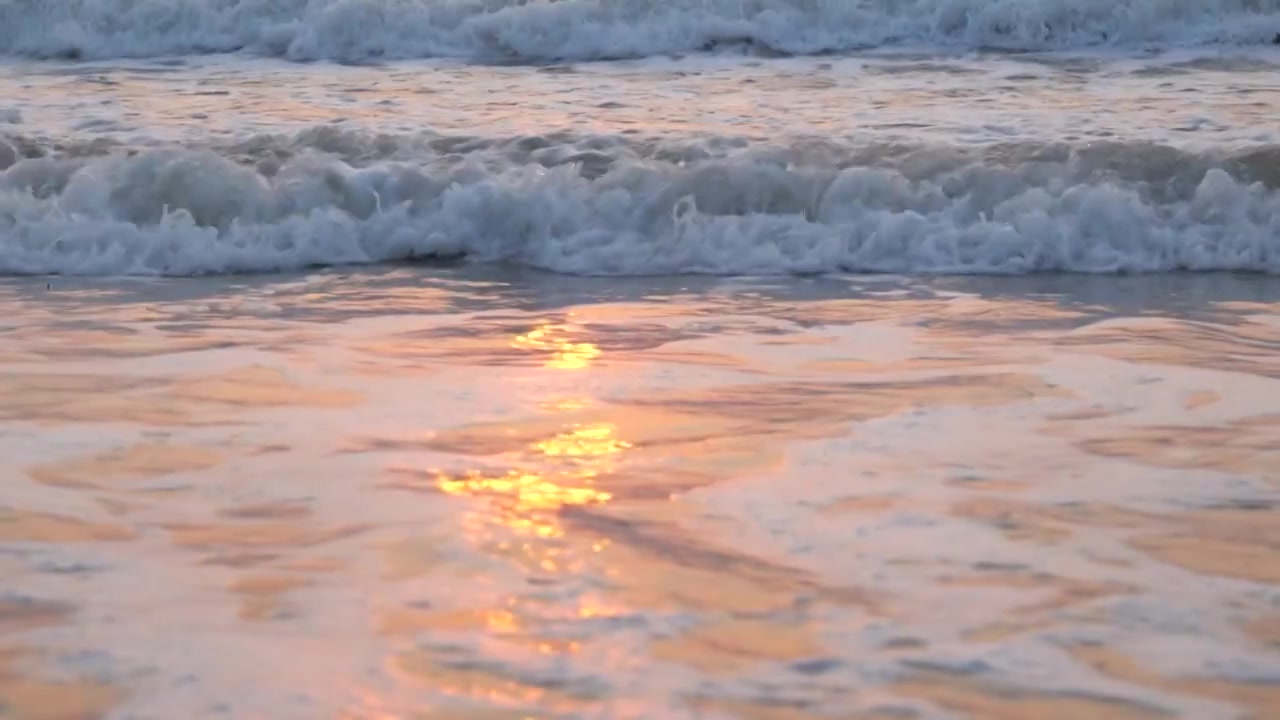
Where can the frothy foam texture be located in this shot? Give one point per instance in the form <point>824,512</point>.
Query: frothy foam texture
<point>608,206</point>
<point>541,30</point>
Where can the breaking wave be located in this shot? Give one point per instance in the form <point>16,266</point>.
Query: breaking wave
<point>545,30</point>
<point>608,205</point>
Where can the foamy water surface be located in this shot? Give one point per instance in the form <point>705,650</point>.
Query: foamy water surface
<point>935,136</point>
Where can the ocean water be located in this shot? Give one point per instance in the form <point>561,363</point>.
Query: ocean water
<point>687,359</point>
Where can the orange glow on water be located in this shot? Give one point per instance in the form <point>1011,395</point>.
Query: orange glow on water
<point>562,352</point>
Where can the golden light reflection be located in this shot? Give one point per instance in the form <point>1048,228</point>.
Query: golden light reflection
<point>589,446</point>
<point>587,441</point>
<point>501,621</point>
<point>523,525</point>
<point>524,494</point>
<point>564,353</point>
<point>572,404</point>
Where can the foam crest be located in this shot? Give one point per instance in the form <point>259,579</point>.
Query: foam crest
<point>755,210</point>
<point>541,30</point>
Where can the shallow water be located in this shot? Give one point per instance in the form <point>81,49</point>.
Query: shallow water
<point>462,359</point>
<point>409,493</point>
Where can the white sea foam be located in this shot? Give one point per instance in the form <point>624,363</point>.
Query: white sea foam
<point>622,209</point>
<point>534,30</point>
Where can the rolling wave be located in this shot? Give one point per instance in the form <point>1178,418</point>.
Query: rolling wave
<point>557,30</point>
<point>604,205</point>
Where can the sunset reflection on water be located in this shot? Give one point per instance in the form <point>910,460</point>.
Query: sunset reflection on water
<point>520,520</point>
<point>491,516</point>
<point>516,520</point>
<point>526,502</point>
<point>556,342</point>
<point>567,463</point>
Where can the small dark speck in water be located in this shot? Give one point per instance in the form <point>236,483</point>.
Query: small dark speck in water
<point>999,567</point>
<point>904,642</point>
<point>1245,505</point>
<point>816,667</point>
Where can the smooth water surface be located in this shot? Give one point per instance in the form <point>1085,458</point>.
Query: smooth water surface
<point>489,493</point>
